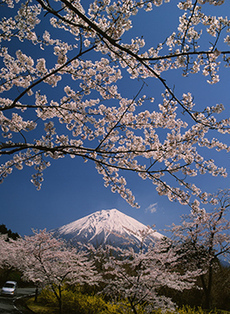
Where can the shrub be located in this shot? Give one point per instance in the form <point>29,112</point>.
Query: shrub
<point>48,298</point>
<point>76,302</point>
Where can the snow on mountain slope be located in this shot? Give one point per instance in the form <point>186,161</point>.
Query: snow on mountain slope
<point>105,227</point>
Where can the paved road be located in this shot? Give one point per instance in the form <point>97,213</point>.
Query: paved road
<point>7,304</point>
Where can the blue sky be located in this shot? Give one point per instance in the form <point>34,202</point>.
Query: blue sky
<point>73,189</point>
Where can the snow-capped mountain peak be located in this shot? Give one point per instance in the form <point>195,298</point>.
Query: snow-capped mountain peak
<point>105,226</point>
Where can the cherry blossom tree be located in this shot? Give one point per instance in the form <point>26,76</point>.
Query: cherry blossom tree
<point>138,274</point>
<point>61,92</point>
<point>4,247</point>
<point>205,239</point>
<point>8,255</point>
<point>48,261</point>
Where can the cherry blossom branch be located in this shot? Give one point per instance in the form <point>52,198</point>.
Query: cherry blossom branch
<point>129,52</point>
<point>42,79</point>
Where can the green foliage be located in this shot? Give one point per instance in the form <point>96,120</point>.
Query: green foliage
<point>185,309</point>
<point>220,293</point>
<point>11,274</point>
<point>76,302</point>
<point>83,304</point>
<point>4,230</point>
<point>221,288</point>
<point>192,310</point>
<point>48,298</point>
<point>38,308</point>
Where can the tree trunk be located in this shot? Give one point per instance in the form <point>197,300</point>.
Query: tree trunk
<point>208,295</point>
<point>132,306</point>
<point>36,295</point>
<point>60,301</point>
<point>207,289</point>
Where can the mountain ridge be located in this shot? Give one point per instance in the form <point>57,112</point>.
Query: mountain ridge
<point>108,226</point>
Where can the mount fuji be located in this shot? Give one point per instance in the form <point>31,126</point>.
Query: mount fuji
<point>105,227</point>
